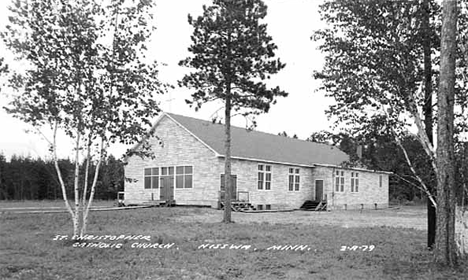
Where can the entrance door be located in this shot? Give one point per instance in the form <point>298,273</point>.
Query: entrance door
<point>166,191</point>
<point>233,185</point>
<point>318,190</point>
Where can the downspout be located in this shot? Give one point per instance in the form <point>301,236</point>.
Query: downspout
<point>331,191</point>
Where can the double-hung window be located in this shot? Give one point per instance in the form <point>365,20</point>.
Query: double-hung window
<point>264,177</point>
<point>294,179</point>
<point>339,181</point>
<point>354,182</point>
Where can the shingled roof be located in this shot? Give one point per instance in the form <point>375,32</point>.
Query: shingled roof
<point>260,146</point>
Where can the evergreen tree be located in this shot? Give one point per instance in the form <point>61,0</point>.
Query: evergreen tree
<point>232,56</point>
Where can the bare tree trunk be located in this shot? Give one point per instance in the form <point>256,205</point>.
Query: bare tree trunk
<point>93,189</point>
<point>62,184</point>
<point>83,202</point>
<point>445,249</point>
<point>227,159</point>
<point>424,187</point>
<point>426,44</point>
<point>86,183</point>
<point>461,230</point>
<point>227,144</point>
<point>78,215</point>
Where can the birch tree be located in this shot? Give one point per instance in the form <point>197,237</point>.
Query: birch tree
<point>379,60</point>
<point>86,78</point>
<point>232,56</point>
<point>379,70</point>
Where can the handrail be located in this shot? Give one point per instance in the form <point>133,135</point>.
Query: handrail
<point>243,196</point>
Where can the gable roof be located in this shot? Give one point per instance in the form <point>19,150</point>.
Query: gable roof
<point>260,146</point>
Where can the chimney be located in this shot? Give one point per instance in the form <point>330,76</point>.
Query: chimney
<point>359,151</point>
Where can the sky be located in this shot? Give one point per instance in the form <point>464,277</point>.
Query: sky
<point>290,23</point>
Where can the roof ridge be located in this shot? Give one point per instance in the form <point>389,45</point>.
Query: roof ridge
<point>258,131</point>
<point>260,146</point>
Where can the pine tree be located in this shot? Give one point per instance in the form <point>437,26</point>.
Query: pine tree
<point>232,56</point>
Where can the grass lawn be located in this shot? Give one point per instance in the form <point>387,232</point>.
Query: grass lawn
<point>193,244</point>
<point>46,204</point>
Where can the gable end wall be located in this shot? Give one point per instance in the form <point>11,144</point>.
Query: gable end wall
<point>179,148</point>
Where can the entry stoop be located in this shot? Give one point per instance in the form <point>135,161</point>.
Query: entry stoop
<point>310,205</point>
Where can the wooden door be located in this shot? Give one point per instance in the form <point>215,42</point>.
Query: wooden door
<point>318,190</point>
<point>166,191</point>
<point>233,184</point>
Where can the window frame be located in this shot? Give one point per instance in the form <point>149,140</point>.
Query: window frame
<point>339,180</point>
<point>264,177</point>
<point>354,182</point>
<point>294,180</point>
<point>153,178</point>
<point>169,171</point>
<point>184,175</point>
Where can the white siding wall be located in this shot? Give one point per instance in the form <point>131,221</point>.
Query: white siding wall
<point>279,196</point>
<point>370,194</point>
<point>178,148</point>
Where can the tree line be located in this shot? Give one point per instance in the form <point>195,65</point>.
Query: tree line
<point>27,178</point>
